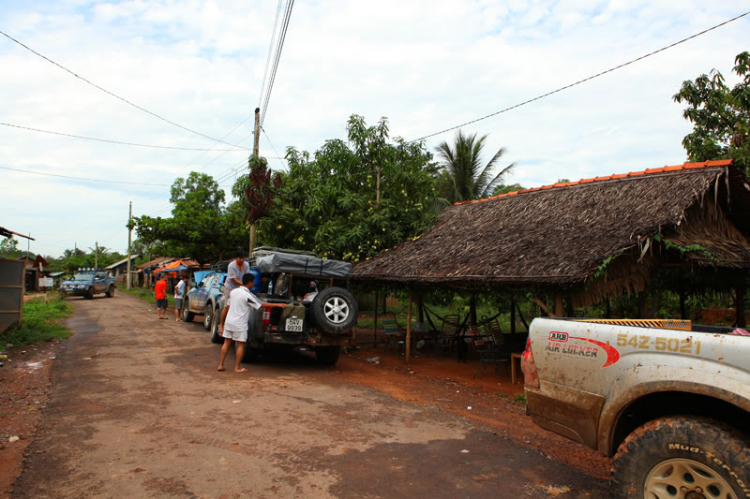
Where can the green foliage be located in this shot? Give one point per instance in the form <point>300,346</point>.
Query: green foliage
<point>519,398</point>
<point>200,226</point>
<point>466,179</point>
<point>601,270</point>
<point>685,249</point>
<point>41,322</point>
<point>720,115</point>
<point>146,294</point>
<point>328,203</point>
<point>504,189</point>
<point>9,249</point>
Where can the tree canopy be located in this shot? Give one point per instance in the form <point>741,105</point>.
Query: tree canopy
<point>351,200</point>
<point>200,226</point>
<point>720,115</point>
<point>464,178</point>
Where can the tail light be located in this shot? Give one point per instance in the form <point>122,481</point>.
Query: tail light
<point>530,376</point>
<point>266,316</point>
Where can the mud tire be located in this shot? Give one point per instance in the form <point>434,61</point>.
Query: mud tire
<point>111,292</point>
<point>327,318</point>
<point>89,294</point>
<point>187,315</point>
<point>327,356</point>
<point>708,443</point>
<point>208,316</point>
<point>215,336</point>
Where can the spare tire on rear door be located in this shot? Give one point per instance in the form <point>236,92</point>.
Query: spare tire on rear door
<point>335,310</point>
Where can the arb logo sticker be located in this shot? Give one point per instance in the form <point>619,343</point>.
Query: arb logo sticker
<point>558,336</point>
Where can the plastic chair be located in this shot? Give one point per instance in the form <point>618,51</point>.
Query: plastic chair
<point>394,335</point>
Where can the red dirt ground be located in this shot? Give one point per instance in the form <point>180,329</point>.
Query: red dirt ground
<point>433,380</point>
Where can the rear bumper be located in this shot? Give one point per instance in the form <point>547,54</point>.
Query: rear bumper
<point>571,413</point>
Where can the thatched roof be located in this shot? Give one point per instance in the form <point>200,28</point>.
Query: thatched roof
<point>564,234</point>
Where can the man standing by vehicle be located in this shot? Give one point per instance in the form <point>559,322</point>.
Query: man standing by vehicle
<point>235,271</point>
<point>234,320</point>
<point>160,293</point>
<point>179,294</point>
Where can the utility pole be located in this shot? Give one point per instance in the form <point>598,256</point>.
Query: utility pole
<point>256,147</point>
<point>130,232</point>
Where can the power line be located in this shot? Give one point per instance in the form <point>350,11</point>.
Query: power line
<point>270,51</point>
<point>277,58</point>
<point>151,184</point>
<point>242,149</point>
<point>110,93</point>
<point>583,80</point>
<point>272,147</point>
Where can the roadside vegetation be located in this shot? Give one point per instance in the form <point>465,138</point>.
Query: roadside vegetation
<point>42,321</point>
<point>146,294</point>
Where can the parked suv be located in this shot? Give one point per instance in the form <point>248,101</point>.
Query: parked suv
<point>88,282</point>
<point>319,313</point>
<point>203,299</point>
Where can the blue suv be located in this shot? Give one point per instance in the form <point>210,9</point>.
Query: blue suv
<point>203,299</point>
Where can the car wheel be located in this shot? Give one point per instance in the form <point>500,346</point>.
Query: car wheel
<point>111,292</point>
<point>208,315</point>
<point>327,355</point>
<point>89,294</point>
<point>335,310</point>
<point>187,315</point>
<point>215,335</point>
<point>682,457</point>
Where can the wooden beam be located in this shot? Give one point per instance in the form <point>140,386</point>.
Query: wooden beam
<point>739,301</point>
<point>512,315</point>
<point>544,307</point>
<point>559,305</point>
<point>408,329</point>
<point>375,324</point>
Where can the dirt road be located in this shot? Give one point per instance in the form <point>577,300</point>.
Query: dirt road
<point>137,409</point>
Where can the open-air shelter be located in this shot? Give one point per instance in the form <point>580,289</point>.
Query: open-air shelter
<point>589,240</point>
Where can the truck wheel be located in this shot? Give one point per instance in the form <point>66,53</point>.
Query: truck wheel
<point>682,456</point>
<point>89,294</point>
<point>187,315</point>
<point>215,336</point>
<point>252,355</point>
<point>327,355</point>
<point>208,315</point>
<point>335,310</point>
<point>111,292</point>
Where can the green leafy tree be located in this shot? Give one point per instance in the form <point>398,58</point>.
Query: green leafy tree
<point>466,178</point>
<point>720,115</point>
<point>351,200</point>
<point>9,249</point>
<point>200,226</point>
<point>504,189</point>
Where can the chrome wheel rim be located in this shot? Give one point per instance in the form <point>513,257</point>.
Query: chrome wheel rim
<point>207,318</point>
<point>336,310</point>
<point>687,479</point>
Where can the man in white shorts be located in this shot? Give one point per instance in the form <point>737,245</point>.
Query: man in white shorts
<point>234,320</point>
<point>179,294</point>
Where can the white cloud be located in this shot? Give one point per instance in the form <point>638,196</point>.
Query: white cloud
<point>424,65</point>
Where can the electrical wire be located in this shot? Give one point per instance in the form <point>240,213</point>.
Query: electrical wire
<point>242,149</point>
<point>620,66</point>
<point>270,51</point>
<point>110,93</point>
<point>277,58</point>
<point>272,147</point>
<point>150,184</point>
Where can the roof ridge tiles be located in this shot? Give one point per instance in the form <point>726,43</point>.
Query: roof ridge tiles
<point>614,176</point>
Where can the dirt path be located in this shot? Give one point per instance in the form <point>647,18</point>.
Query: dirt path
<point>137,409</point>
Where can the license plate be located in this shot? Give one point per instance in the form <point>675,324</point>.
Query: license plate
<point>294,325</point>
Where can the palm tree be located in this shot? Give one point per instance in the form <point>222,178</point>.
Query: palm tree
<point>462,164</point>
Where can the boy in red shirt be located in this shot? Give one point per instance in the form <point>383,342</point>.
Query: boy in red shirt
<point>160,291</point>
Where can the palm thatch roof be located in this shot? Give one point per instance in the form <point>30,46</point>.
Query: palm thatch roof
<point>565,234</point>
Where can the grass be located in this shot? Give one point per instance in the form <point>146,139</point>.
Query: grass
<point>41,322</point>
<point>147,294</point>
<point>519,399</point>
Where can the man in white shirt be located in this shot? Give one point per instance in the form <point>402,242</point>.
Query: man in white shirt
<point>235,271</point>
<point>234,320</point>
<point>179,294</point>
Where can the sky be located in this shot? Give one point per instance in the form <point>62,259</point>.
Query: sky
<point>425,65</point>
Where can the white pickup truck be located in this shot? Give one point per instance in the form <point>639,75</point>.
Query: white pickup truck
<point>670,400</point>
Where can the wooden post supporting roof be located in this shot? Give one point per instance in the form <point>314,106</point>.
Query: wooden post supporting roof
<point>375,324</point>
<point>408,329</point>
<point>559,305</point>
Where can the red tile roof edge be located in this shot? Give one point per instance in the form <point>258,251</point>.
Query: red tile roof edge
<point>647,171</point>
